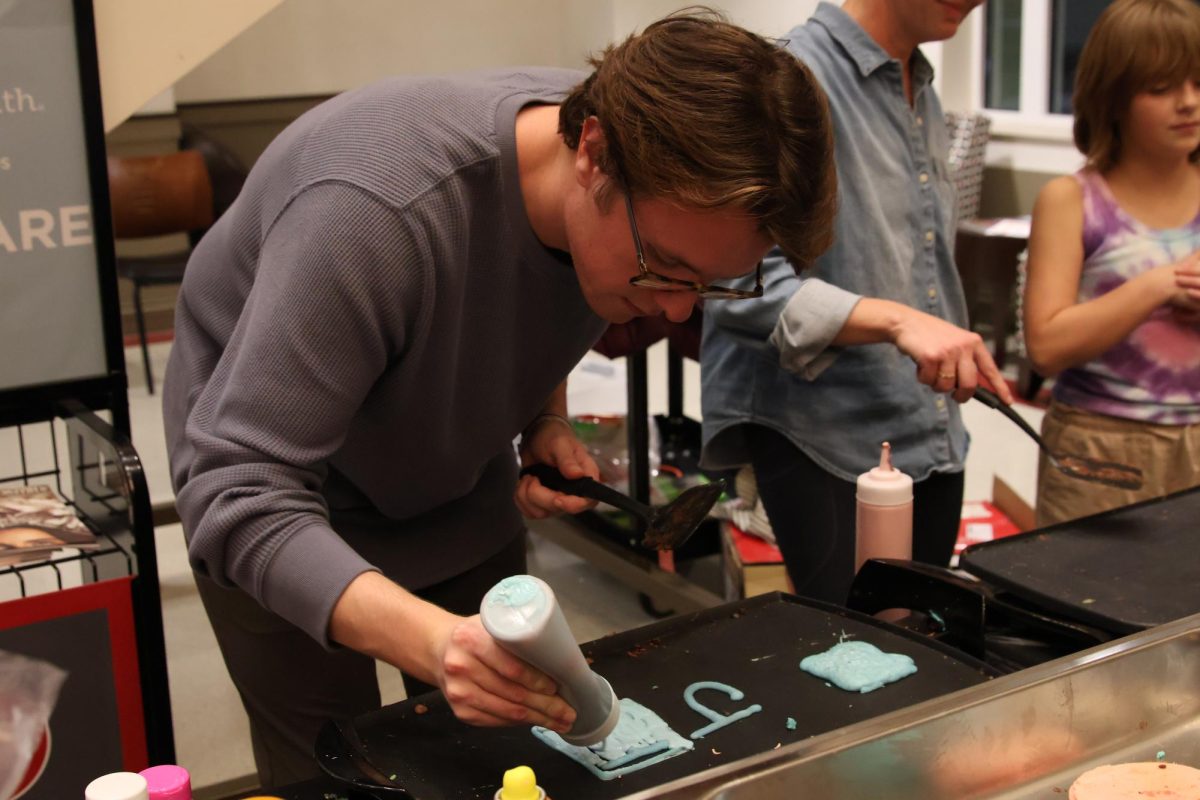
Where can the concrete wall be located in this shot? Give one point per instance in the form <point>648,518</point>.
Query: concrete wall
<point>306,50</point>
<point>1009,192</point>
<point>144,46</point>
<point>315,47</point>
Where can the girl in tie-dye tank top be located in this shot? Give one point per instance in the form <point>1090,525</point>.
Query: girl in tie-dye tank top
<point>1112,303</point>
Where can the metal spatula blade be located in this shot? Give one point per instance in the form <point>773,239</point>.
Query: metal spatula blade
<point>340,752</point>
<point>1109,473</point>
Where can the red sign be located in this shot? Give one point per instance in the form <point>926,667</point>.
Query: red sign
<point>97,726</point>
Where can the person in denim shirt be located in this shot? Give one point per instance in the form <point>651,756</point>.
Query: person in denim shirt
<point>783,387</point>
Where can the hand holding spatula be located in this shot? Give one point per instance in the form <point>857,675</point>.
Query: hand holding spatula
<point>667,527</point>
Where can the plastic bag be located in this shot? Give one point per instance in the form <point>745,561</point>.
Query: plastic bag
<point>28,692</point>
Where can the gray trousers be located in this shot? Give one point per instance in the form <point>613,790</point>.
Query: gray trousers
<point>290,685</point>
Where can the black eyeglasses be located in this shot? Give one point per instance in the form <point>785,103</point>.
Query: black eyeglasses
<point>649,279</point>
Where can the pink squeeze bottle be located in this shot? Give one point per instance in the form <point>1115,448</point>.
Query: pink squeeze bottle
<point>885,512</point>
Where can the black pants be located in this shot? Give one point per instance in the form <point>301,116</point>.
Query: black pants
<point>813,515</point>
<point>290,685</point>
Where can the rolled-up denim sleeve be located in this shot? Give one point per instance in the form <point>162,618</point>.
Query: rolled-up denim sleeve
<point>806,327</point>
<point>755,319</point>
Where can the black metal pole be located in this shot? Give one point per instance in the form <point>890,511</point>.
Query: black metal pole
<point>637,421</point>
<point>674,383</point>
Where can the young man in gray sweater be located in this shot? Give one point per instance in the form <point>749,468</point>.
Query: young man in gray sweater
<point>407,278</point>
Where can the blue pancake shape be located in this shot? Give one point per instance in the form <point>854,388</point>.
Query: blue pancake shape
<point>640,740</point>
<point>858,666</point>
<point>717,721</point>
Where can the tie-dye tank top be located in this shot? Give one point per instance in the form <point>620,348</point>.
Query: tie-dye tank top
<point>1154,374</point>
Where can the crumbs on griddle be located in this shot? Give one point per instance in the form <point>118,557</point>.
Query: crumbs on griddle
<point>639,650</point>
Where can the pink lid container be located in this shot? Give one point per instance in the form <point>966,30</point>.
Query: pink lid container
<point>168,782</point>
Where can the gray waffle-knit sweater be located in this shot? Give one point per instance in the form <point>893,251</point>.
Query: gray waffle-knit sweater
<point>359,339</point>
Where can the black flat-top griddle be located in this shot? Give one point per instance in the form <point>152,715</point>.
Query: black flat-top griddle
<point>1123,571</point>
<point>754,645</point>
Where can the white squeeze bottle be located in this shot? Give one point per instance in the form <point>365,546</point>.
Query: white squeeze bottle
<point>522,614</point>
<point>885,512</point>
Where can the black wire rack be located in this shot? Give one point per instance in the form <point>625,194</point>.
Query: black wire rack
<point>94,469</point>
<point>68,566</point>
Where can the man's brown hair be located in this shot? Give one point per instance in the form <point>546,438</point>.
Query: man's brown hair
<point>705,114</point>
<point>1134,46</point>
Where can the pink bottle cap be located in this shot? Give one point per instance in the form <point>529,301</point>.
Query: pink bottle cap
<point>885,485</point>
<point>168,782</point>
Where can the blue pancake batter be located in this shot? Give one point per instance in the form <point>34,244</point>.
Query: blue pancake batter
<point>718,720</point>
<point>858,666</point>
<point>640,740</point>
<point>514,591</point>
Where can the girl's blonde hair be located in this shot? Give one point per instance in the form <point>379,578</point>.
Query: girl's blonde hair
<point>1135,45</point>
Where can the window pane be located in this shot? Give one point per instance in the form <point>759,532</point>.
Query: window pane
<point>1071,21</point>
<point>1002,64</point>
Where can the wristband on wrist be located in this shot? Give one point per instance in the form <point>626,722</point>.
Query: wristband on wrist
<point>545,415</point>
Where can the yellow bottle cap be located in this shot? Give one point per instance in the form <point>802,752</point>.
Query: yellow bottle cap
<point>520,784</point>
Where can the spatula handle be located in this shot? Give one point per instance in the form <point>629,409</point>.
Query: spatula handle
<point>551,478</point>
<point>989,399</point>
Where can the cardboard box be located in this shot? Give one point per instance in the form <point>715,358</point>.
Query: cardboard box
<point>752,566</point>
<point>1013,506</point>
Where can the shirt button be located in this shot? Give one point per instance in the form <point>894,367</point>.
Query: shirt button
<point>920,120</point>
<point>940,403</point>
<point>928,236</point>
<point>924,177</point>
<point>932,293</point>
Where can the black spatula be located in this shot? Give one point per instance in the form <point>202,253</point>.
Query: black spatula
<point>1109,473</point>
<point>667,527</point>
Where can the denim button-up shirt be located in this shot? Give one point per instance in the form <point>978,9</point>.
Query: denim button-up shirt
<point>894,239</point>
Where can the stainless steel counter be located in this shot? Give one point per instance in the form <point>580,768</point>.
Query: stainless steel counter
<point>1025,735</point>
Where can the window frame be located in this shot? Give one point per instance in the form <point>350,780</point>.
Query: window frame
<point>967,55</point>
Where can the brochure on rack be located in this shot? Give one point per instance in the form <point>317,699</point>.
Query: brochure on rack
<point>35,523</point>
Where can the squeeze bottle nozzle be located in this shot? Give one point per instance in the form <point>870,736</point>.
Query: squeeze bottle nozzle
<point>522,614</point>
<point>885,512</point>
<point>520,784</point>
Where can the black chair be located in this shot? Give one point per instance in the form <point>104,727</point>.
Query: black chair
<point>182,192</point>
